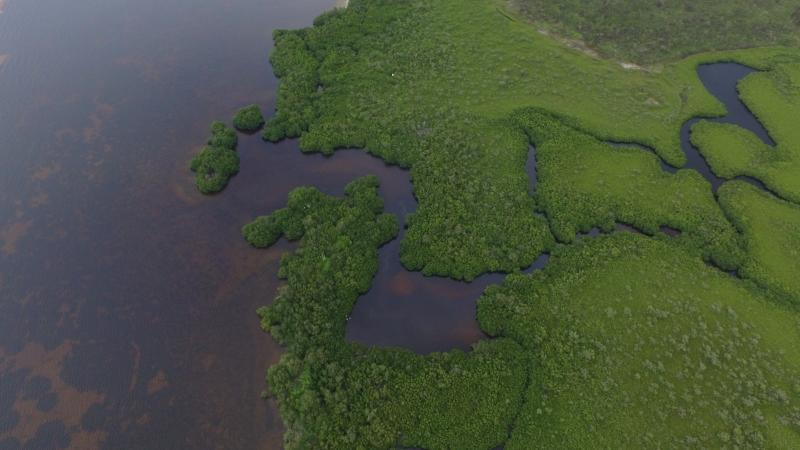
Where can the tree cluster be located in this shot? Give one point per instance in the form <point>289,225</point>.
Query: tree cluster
<point>248,119</point>
<point>218,162</point>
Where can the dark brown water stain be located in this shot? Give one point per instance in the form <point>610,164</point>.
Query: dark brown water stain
<point>108,251</point>
<point>68,404</point>
<point>11,234</point>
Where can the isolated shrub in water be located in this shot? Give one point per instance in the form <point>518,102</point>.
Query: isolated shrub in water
<point>214,166</point>
<point>222,136</point>
<point>218,162</point>
<point>248,118</point>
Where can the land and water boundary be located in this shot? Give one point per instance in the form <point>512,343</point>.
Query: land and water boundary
<point>611,332</point>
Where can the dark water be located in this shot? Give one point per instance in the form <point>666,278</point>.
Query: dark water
<point>423,314</point>
<point>530,169</point>
<point>721,80</point>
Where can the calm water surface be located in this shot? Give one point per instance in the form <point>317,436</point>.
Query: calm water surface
<point>126,298</point>
<point>721,80</point>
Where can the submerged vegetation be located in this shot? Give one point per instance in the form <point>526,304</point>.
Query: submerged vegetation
<point>218,162</point>
<point>647,32</point>
<point>248,119</point>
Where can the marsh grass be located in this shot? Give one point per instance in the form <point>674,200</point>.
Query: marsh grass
<point>731,151</point>
<point>638,344</point>
<point>771,229</point>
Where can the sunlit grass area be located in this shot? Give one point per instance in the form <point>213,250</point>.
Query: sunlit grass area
<point>774,98</point>
<point>647,32</point>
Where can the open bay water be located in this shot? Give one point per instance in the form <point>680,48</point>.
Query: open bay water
<point>127,299</point>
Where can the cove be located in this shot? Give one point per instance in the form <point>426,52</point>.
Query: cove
<point>417,312</point>
<point>402,308</point>
<point>429,314</point>
<point>721,80</point>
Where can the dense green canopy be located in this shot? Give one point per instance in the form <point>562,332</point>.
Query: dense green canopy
<point>625,341</point>
<point>216,164</point>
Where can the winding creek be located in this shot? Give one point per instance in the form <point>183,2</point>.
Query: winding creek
<point>126,298</point>
<point>721,80</point>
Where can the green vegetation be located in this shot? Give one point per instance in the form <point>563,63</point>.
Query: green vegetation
<point>624,341</point>
<point>585,183</point>
<point>772,230</point>
<point>248,119</point>
<point>222,136</point>
<point>218,162</point>
<point>336,395</point>
<point>637,344</point>
<point>432,86</point>
<point>475,213</point>
<point>647,32</point>
<point>774,98</point>
<point>380,71</point>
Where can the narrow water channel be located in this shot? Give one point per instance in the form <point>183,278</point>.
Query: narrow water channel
<point>721,80</point>
<point>427,314</point>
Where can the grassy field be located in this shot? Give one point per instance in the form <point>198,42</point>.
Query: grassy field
<point>772,232</point>
<point>432,86</point>
<point>774,98</point>
<point>586,183</point>
<point>639,345</point>
<point>648,32</point>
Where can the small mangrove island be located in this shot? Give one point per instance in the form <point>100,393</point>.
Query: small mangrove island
<point>216,163</point>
